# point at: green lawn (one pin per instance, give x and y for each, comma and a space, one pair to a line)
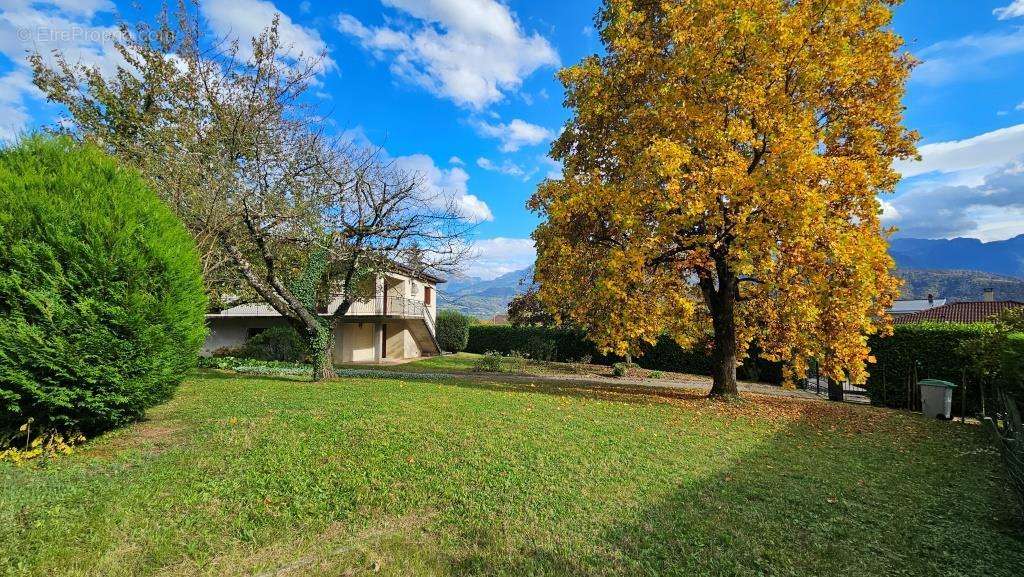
270, 476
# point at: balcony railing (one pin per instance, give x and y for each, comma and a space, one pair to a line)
394, 306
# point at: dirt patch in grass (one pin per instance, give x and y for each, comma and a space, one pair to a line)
148, 436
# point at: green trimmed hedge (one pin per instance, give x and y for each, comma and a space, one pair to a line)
101, 292
935, 350
542, 343
566, 345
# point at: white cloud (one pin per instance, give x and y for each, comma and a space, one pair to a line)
456, 161
1014, 10
995, 206
14, 87
507, 167
988, 150
1019, 106
493, 257
446, 183
246, 19
515, 134
469, 51
890, 214
66, 26
969, 57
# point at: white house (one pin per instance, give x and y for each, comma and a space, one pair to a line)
398, 323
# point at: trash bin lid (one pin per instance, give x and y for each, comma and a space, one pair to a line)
936, 383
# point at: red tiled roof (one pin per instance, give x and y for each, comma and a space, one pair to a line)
965, 312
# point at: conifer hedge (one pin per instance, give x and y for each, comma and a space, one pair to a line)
101, 293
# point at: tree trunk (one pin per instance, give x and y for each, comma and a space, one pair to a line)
322, 345
322, 349
721, 301
723, 354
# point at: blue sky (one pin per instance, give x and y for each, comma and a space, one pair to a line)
463, 91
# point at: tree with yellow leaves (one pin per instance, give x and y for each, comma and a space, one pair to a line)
721, 173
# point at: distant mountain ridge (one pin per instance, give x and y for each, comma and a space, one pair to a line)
1003, 257
484, 298
959, 285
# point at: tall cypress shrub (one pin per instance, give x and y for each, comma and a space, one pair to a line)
452, 330
101, 293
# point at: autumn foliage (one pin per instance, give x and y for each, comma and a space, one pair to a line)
721, 173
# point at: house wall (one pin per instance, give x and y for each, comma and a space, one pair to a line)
353, 341
412, 348
395, 338
357, 342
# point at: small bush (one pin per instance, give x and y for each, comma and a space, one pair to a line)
655, 374
489, 363
625, 369
515, 362
452, 330
101, 294
278, 343
494, 362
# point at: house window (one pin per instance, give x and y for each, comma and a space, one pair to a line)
428, 293
253, 331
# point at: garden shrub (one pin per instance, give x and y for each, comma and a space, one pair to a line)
452, 330
490, 362
495, 362
101, 293
621, 369
277, 343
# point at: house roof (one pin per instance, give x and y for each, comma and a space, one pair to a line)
964, 312
913, 306
417, 274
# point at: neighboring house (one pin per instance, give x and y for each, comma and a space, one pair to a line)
961, 312
398, 323
909, 307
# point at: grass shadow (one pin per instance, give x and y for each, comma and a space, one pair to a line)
854, 494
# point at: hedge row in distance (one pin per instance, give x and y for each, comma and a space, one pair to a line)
567, 345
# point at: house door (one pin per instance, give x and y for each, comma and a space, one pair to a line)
385, 306
384, 341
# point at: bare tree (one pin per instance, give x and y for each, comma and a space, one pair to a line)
281, 211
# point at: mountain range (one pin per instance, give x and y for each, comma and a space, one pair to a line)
484, 298
958, 269
1005, 257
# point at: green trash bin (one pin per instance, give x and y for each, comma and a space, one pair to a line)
936, 398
